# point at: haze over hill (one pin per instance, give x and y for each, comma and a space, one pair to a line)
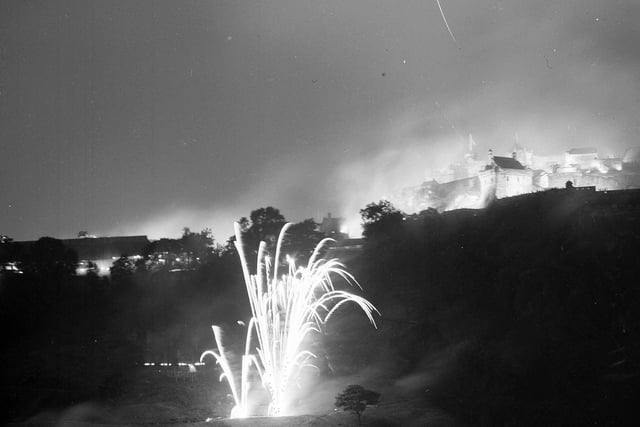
141, 118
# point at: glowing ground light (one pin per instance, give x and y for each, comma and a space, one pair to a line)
285, 310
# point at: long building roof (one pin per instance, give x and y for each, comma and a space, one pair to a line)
103, 247
507, 162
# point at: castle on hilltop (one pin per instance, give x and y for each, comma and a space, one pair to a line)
476, 181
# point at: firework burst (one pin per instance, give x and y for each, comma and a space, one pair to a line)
285, 310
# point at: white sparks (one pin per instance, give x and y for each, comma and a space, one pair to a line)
285, 310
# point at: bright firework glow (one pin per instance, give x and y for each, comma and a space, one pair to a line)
285, 310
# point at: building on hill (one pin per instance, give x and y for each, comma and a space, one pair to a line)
461, 194
102, 251
470, 184
333, 227
597, 180
523, 155
582, 158
98, 253
504, 177
611, 163
631, 160
457, 194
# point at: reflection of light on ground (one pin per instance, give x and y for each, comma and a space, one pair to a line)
10, 267
179, 370
174, 364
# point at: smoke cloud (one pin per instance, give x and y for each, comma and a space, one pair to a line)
159, 116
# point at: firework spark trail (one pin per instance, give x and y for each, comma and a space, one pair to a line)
285, 310
444, 18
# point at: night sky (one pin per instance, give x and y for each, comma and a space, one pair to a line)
142, 117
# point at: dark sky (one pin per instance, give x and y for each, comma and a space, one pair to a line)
141, 117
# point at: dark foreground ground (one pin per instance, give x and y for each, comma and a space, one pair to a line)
353, 352
160, 397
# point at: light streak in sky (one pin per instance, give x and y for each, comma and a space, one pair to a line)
285, 311
444, 18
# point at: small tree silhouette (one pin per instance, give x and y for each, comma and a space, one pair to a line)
355, 398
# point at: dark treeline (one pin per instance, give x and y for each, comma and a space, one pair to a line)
534, 303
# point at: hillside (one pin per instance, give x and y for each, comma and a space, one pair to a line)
523, 313
530, 304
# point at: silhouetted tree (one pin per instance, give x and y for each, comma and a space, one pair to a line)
122, 269
380, 217
10, 251
49, 257
355, 398
163, 245
265, 225
160, 255
198, 247
301, 239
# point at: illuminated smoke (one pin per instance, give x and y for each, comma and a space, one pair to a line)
285, 311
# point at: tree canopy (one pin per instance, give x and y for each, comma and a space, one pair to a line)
50, 257
355, 398
265, 224
380, 217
